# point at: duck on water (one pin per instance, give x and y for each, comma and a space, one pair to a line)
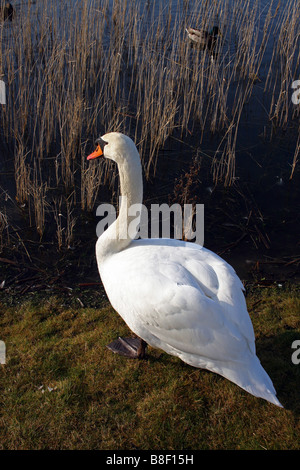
204, 39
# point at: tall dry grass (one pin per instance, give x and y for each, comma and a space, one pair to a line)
76, 69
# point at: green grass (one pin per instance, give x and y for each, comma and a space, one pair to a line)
61, 388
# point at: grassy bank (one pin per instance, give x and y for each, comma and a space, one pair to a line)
62, 389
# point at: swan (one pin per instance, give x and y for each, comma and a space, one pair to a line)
205, 39
174, 295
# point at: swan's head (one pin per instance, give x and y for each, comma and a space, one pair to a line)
117, 147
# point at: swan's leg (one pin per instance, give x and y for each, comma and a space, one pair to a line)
142, 349
135, 348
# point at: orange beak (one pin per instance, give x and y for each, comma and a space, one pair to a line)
98, 152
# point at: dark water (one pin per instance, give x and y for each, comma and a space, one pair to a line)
254, 220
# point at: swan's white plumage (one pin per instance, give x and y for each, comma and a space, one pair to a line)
176, 295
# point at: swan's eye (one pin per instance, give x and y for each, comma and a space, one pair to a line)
101, 142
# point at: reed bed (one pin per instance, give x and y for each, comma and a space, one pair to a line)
76, 69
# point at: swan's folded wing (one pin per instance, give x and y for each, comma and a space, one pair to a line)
181, 295
228, 289
169, 309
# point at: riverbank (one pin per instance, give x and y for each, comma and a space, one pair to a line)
61, 388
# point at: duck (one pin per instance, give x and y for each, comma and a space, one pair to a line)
174, 295
7, 11
204, 39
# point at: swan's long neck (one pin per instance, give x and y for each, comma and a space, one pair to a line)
121, 232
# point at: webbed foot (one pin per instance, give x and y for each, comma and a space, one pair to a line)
134, 348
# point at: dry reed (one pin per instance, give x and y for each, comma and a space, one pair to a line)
77, 69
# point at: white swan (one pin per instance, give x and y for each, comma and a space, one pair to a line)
175, 295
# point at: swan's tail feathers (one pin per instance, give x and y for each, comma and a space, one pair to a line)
253, 378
